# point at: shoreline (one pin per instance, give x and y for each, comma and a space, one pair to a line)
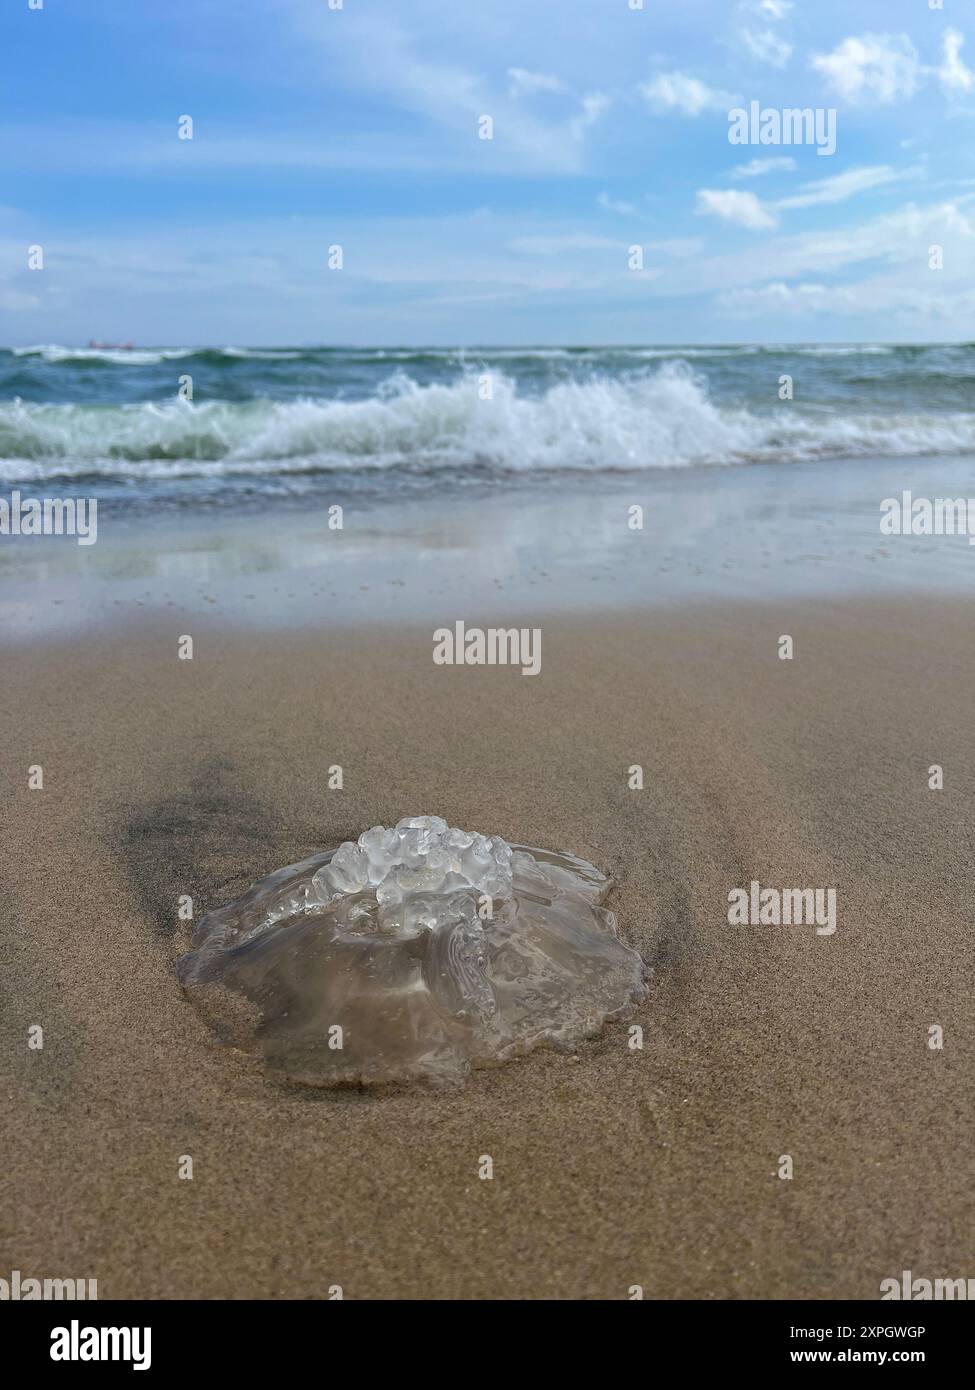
651, 541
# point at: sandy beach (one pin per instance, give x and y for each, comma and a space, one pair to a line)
487, 768
614, 1167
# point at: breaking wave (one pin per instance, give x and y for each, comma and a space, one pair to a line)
659, 418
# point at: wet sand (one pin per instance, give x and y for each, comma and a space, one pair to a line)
613, 1167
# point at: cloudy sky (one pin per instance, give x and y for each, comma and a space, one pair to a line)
359, 127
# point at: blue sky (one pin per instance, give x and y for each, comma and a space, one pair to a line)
358, 126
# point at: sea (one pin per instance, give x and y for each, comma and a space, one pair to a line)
205, 427
329, 486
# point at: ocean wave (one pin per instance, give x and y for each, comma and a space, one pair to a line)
851, 350
256, 354
133, 357
55, 354
661, 418
690, 352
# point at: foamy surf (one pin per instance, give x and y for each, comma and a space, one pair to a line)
132, 357
661, 418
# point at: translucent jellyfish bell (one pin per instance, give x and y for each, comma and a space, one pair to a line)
420, 951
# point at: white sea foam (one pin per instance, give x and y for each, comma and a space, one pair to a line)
260, 354
657, 418
853, 350
147, 357
689, 353
131, 357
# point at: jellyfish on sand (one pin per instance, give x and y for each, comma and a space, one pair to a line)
415, 952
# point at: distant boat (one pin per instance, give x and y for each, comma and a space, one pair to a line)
115, 347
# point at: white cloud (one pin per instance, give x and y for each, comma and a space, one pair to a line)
744, 209
777, 295
763, 43
523, 82
953, 73
909, 300
842, 186
593, 107
675, 91
767, 47
871, 67
735, 205
755, 168
617, 205
417, 71
898, 239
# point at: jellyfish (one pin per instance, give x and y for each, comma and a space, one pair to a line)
417, 952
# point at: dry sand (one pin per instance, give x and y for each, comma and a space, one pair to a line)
612, 1168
